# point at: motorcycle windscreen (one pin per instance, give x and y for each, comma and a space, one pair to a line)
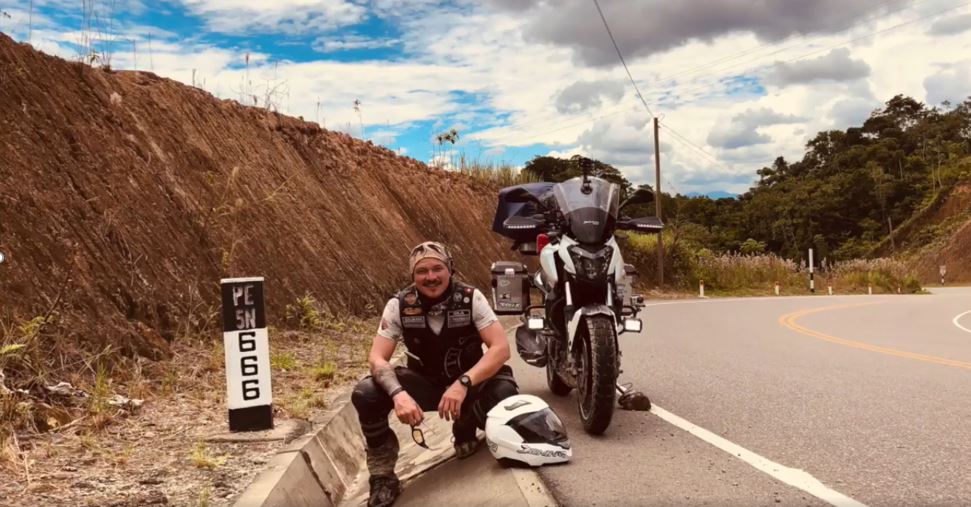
591, 214
541, 427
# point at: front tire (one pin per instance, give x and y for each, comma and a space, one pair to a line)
597, 354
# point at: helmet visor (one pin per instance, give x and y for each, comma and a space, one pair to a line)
541, 427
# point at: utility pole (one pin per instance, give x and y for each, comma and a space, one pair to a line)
657, 204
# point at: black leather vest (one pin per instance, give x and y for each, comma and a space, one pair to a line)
444, 357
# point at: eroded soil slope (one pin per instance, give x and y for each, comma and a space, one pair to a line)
126, 197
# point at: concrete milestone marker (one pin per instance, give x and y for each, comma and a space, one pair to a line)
248, 392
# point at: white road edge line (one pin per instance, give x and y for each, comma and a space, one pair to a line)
796, 478
959, 325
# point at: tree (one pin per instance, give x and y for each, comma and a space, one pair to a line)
752, 247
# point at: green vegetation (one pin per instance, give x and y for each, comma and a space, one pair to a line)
851, 189
283, 361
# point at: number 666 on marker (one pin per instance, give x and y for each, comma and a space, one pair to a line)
249, 396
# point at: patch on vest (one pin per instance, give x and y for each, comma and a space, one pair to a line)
411, 298
459, 318
412, 310
413, 322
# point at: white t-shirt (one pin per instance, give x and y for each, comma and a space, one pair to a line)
390, 326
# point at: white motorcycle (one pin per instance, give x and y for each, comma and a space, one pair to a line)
584, 283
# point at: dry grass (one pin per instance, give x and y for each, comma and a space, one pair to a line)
202, 457
493, 173
757, 274
735, 271
883, 275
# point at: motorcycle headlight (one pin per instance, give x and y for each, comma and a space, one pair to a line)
591, 266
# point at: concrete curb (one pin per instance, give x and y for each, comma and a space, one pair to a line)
314, 470
326, 468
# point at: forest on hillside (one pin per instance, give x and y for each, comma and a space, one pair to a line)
849, 191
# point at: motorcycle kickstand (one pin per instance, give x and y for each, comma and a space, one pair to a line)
631, 399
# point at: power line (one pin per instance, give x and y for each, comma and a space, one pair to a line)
621, 56
693, 145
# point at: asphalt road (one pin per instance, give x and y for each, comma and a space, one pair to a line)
870, 395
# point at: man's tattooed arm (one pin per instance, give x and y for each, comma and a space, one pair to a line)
385, 377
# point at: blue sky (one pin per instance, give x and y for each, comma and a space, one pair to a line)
735, 84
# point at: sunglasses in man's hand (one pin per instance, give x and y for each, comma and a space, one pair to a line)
419, 437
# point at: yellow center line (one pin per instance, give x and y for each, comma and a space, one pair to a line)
789, 321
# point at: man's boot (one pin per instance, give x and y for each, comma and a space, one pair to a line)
384, 484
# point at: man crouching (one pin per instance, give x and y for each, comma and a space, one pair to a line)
443, 323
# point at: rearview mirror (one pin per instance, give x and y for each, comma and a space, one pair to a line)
640, 196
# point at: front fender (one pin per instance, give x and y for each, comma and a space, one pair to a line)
582, 312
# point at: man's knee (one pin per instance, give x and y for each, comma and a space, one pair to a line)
504, 389
367, 396
497, 390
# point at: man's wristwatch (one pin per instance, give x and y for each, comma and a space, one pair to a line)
465, 381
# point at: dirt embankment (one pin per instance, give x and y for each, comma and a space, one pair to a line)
953, 249
126, 197
939, 234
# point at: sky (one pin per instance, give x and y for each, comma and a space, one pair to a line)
734, 83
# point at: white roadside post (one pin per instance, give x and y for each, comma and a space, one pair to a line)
249, 396
943, 272
701, 288
812, 281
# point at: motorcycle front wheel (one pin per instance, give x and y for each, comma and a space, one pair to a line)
596, 383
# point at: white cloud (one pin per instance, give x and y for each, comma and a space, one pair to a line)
952, 83
743, 128
583, 95
276, 16
951, 25
834, 66
351, 42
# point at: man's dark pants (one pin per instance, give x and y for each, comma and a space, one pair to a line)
373, 406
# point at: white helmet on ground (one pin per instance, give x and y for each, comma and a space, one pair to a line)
524, 430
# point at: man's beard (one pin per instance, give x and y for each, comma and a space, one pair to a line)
428, 302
